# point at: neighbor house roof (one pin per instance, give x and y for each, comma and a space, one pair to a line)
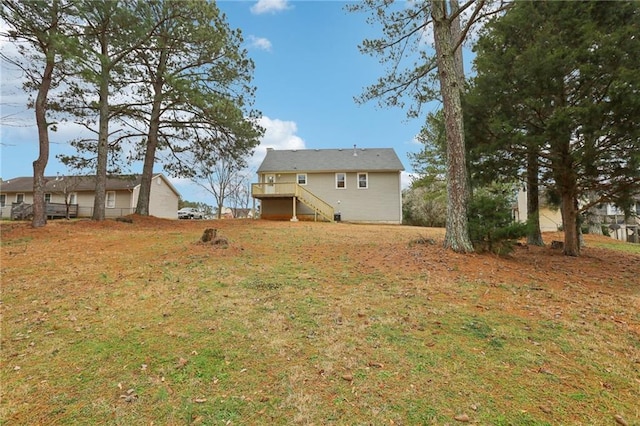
74, 183
331, 160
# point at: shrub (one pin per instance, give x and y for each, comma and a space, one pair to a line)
491, 224
425, 206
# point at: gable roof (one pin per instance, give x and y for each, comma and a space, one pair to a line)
76, 183
331, 160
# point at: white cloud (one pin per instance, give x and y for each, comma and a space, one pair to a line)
279, 134
259, 43
406, 178
269, 6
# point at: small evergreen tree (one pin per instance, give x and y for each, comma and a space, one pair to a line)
491, 224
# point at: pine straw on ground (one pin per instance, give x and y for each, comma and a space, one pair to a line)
311, 323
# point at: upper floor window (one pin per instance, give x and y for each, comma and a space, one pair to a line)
363, 181
341, 180
301, 178
111, 199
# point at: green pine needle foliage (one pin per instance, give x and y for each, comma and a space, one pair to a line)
491, 224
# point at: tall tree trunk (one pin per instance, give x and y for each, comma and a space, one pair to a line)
570, 223
40, 164
144, 196
455, 38
534, 236
457, 232
103, 140
567, 186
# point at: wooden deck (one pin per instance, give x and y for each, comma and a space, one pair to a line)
23, 211
296, 192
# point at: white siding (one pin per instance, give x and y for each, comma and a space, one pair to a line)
163, 201
550, 220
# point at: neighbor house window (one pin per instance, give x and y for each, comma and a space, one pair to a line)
111, 199
19, 198
3, 200
302, 178
47, 198
341, 180
73, 198
363, 180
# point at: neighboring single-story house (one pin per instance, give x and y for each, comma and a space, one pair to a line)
79, 194
355, 185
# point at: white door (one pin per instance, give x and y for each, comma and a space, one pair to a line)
270, 179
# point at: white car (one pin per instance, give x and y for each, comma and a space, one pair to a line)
190, 213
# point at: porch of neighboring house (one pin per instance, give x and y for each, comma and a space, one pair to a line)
623, 229
24, 211
320, 210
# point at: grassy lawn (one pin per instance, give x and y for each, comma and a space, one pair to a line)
311, 323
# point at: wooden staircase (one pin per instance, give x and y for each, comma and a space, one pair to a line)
318, 205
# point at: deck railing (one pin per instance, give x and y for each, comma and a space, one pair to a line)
316, 203
24, 211
276, 189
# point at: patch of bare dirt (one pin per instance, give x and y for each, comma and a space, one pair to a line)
67, 268
383, 247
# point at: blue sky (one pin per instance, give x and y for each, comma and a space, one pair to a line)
307, 71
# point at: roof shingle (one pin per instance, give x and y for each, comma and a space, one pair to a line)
331, 160
74, 183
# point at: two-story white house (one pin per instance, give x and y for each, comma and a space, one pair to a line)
355, 185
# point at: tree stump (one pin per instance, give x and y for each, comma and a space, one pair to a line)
557, 244
209, 235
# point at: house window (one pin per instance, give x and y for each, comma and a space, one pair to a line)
301, 178
3, 200
341, 180
47, 198
111, 199
19, 198
73, 198
363, 181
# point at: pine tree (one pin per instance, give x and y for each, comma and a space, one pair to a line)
560, 82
